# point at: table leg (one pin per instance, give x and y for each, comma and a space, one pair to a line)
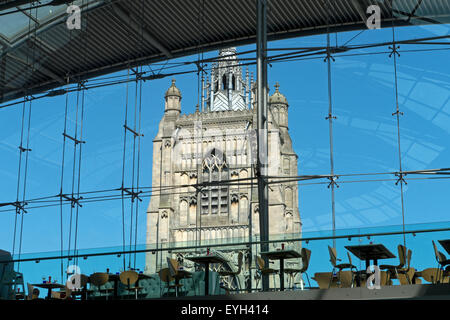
281, 274
367, 263
49, 293
115, 288
206, 279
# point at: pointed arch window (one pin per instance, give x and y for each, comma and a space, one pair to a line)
224, 82
215, 170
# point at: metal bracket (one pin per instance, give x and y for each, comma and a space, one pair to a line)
132, 131
22, 149
134, 195
73, 139
394, 50
333, 181
20, 206
329, 56
73, 201
397, 113
401, 179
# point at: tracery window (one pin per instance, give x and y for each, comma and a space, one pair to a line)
214, 198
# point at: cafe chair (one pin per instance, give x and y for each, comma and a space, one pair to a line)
99, 279
177, 272
340, 267
33, 293
431, 275
306, 257
393, 270
261, 270
323, 280
129, 278
231, 273
225, 273
406, 275
62, 294
292, 272
165, 276
443, 264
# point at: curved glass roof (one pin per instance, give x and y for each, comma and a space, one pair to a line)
18, 21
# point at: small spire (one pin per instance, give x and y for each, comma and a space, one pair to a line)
277, 86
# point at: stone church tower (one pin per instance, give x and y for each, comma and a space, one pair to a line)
202, 169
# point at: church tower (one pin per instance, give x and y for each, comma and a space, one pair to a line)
203, 168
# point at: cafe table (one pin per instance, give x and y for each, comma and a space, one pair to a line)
49, 286
207, 260
368, 252
281, 255
115, 278
445, 244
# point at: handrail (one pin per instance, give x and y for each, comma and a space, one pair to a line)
247, 243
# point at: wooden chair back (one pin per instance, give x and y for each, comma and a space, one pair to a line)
306, 256
173, 266
129, 277
99, 278
323, 280
431, 274
440, 257
345, 278
260, 263
349, 257
401, 255
165, 276
33, 293
333, 255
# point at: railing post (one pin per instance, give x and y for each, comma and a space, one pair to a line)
261, 105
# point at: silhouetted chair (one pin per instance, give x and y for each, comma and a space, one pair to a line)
129, 278
263, 270
165, 276
33, 293
406, 275
99, 279
64, 294
177, 273
392, 269
431, 275
292, 272
340, 267
443, 264
323, 280
229, 273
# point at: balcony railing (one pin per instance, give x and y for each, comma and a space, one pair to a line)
233, 265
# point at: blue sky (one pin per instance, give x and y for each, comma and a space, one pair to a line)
365, 140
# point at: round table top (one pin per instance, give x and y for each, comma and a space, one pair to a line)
49, 285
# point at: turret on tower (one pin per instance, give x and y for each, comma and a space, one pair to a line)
173, 100
279, 106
